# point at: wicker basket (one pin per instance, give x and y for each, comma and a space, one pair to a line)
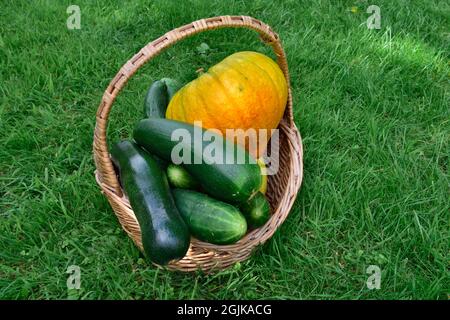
282, 187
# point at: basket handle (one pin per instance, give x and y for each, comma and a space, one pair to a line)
105, 171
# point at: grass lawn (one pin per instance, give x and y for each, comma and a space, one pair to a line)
372, 107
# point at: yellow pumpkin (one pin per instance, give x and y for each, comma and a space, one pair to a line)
245, 90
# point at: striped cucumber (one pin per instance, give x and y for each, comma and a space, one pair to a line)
209, 219
256, 210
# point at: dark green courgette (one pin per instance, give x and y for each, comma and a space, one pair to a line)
209, 219
223, 179
162, 163
172, 86
165, 236
156, 100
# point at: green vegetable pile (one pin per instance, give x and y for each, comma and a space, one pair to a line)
213, 202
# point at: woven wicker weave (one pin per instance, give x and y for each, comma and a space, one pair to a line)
282, 187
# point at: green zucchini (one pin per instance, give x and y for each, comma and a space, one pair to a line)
209, 219
180, 178
162, 163
256, 210
172, 87
223, 179
165, 236
156, 100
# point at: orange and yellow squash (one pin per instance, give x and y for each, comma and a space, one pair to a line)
245, 90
